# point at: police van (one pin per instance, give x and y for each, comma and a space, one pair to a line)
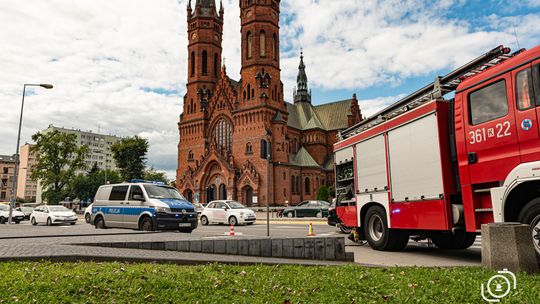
142, 205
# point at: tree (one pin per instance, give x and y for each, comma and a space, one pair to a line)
153, 175
130, 156
323, 194
59, 158
85, 187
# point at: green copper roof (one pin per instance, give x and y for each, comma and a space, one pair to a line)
303, 159
328, 117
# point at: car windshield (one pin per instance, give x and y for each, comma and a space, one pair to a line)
155, 191
27, 209
4, 207
235, 205
58, 209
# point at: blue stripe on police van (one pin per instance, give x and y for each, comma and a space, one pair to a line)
122, 210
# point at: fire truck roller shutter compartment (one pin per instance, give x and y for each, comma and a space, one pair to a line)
372, 178
415, 161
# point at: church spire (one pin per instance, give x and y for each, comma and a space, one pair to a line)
301, 93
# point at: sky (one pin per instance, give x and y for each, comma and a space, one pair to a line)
119, 66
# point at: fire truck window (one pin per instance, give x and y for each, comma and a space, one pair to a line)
488, 103
524, 89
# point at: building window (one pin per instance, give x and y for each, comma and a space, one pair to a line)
192, 63
307, 186
252, 93
249, 92
292, 185
215, 65
249, 45
190, 155
262, 44
274, 47
249, 148
204, 63
223, 134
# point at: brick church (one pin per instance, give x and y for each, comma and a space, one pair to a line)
224, 120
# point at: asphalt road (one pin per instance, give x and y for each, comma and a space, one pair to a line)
416, 253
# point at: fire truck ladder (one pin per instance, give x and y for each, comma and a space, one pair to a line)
437, 89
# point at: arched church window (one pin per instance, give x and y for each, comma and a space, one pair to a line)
249, 92
262, 44
192, 63
249, 45
190, 155
215, 65
307, 186
204, 62
292, 185
223, 134
244, 94
249, 148
252, 93
274, 47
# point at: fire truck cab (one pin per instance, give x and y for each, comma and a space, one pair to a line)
441, 168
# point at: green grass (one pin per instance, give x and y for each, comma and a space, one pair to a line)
83, 282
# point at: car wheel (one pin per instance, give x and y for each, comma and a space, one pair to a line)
146, 224
233, 221
204, 220
16, 222
87, 217
72, 224
319, 214
186, 230
290, 215
2, 220
250, 223
379, 236
49, 221
33, 221
530, 214
99, 223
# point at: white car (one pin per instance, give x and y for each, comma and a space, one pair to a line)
88, 214
227, 212
16, 216
50, 215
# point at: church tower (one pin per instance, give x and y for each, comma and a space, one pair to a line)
301, 93
205, 32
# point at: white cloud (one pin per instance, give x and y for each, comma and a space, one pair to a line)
108, 58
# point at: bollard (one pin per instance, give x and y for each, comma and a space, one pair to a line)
508, 245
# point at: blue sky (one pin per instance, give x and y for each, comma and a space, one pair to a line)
121, 65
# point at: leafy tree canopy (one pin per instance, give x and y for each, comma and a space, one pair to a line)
130, 156
153, 175
58, 160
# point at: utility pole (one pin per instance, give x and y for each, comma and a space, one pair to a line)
266, 153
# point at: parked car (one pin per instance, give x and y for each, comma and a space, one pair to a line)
308, 209
26, 210
88, 214
16, 216
227, 212
198, 207
334, 220
50, 215
143, 205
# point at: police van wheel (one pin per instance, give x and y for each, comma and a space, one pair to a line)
99, 223
186, 230
146, 224
87, 217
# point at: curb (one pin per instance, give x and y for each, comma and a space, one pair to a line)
72, 235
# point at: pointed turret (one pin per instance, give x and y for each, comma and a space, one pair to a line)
301, 93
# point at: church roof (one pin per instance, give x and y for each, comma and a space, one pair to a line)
328, 117
303, 159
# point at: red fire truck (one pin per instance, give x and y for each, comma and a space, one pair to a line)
439, 169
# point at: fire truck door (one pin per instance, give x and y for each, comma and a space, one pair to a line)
490, 132
526, 112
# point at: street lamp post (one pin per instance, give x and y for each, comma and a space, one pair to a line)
15, 174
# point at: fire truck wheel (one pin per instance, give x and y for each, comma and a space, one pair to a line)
379, 236
531, 215
459, 240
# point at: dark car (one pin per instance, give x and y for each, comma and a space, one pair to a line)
26, 210
308, 209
